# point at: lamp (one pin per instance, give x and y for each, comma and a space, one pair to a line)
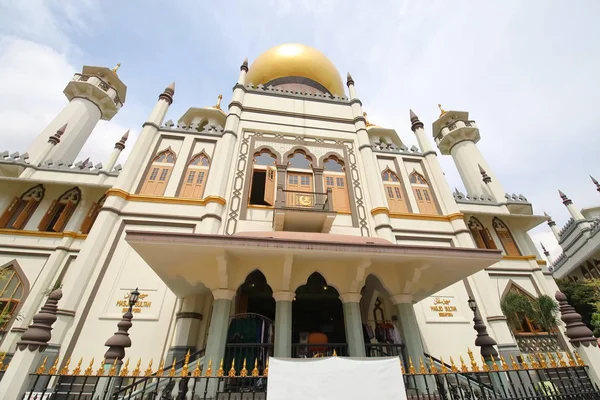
133, 298
472, 304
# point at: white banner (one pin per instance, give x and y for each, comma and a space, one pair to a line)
335, 378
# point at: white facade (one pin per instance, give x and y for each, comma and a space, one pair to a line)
146, 232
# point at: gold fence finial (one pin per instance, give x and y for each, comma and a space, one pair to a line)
580, 362
100, 370
561, 360
432, 366
524, 364
422, 369
495, 364
552, 361
463, 367
136, 371
220, 371
402, 367
42, 368
474, 366
542, 358
198, 370
452, 365
444, 368
266, 371
113, 370
571, 361
186, 364
125, 369
484, 366
504, 364
54, 367
148, 370
88, 371
77, 369
411, 367
231, 372
209, 369
255, 369
334, 353
65, 369
161, 367
172, 370
515, 365
533, 362
244, 371
2, 357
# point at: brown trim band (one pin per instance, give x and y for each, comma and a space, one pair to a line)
425, 217
190, 315
150, 124
384, 226
68, 313
18, 329
167, 200
58, 235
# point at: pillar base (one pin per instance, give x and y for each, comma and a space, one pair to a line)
178, 353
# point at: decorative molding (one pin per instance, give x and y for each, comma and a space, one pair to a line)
190, 315
167, 200
68, 313
541, 262
520, 258
496, 318
56, 235
424, 217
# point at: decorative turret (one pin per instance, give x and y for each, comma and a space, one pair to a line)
199, 118
575, 213
595, 183
546, 253
94, 94
457, 135
553, 226
350, 84
114, 156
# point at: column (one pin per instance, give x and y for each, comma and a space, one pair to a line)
217, 331
283, 323
187, 325
353, 323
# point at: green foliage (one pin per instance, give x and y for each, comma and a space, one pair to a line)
583, 295
595, 322
542, 310
545, 312
513, 305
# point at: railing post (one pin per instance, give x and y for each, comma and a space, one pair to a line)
329, 199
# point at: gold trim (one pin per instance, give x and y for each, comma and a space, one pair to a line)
165, 200
259, 207
57, 235
519, 258
424, 217
541, 262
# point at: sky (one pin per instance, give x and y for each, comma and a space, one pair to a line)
526, 71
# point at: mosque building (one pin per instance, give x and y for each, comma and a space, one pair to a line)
286, 224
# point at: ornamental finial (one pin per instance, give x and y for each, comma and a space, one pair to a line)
442, 111
116, 68
218, 105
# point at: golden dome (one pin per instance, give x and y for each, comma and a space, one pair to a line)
292, 59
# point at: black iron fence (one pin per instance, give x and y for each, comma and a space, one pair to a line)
541, 377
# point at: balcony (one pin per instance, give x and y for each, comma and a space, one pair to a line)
299, 211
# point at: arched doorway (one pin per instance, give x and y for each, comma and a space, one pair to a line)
251, 331
318, 320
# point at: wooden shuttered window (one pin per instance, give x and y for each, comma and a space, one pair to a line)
394, 192
10, 212
506, 238
270, 180
48, 216
423, 194
481, 235
90, 217
339, 191
159, 173
25, 214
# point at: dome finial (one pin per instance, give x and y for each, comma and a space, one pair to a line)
116, 68
349, 80
367, 123
442, 111
218, 105
244, 66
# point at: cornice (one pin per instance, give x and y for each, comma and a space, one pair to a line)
54, 235
424, 217
165, 200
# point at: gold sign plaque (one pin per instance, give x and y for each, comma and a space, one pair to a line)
304, 200
443, 307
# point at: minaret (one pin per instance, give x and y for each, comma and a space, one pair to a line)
547, 254
456, 135
575, 213
114, 156
596, 183
553, 226
43, 155
94, 94
486, 179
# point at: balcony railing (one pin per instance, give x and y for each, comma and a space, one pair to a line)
539, 343
316, 201
299, 211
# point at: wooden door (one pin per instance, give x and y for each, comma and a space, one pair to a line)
341, 200
395, 199
150, 184
193, 186
270, 180
163, 178
424, 200
507, 242
298, 183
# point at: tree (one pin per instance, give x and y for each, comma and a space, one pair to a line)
543, 310
583, 295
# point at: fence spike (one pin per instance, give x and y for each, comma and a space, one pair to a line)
514, 363
463, 367
244, 371
89, 369
161, 367
54, 367
484, 366
125, 369
220, 371
255, 370
444, 368
533, 362
172, 371
100, 370
266, 371
186, 364
136, 371
571, 361
432, 366
148, 370
542, 360
2, 357
402, 367
495, 364
65, 369
42, 368
580, 362
411, 367
422, 369
552, 361
524, 364
504, 364
561, 360
77, 369
113, 370
197, 371
334, 353
452, 365
231, 373
209, 369
474, 366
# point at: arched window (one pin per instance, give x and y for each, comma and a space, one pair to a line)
60, 211
481, 235
394, 192
159, 173
22, 208
524, 325
264, 178
299, 178
423, 194
195, 177
92, 214
11, 294
506, 238
335, 178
